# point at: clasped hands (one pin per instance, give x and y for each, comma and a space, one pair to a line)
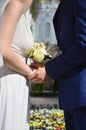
39, 74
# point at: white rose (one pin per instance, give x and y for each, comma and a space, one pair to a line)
38, 55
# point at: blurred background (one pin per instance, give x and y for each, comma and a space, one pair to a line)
40, 16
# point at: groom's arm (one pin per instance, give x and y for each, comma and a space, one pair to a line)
76, 54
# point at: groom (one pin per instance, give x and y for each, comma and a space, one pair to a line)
70, 67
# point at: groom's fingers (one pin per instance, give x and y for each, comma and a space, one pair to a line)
39, 75
35, 80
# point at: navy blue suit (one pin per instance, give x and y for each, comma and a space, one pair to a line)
70, 67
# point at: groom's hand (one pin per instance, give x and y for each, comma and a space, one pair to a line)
41, 75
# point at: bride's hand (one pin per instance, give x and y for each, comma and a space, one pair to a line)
31, 74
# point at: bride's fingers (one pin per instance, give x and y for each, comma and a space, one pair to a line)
32, 75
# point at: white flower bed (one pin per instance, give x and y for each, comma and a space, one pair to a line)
45, 119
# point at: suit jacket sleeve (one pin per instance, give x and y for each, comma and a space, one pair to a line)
76, 54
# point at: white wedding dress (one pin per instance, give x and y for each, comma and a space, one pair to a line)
14, 88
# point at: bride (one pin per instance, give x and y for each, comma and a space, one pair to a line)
15, 41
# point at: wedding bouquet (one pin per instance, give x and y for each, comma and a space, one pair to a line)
42, 53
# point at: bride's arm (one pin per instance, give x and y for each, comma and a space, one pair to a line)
11, 16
